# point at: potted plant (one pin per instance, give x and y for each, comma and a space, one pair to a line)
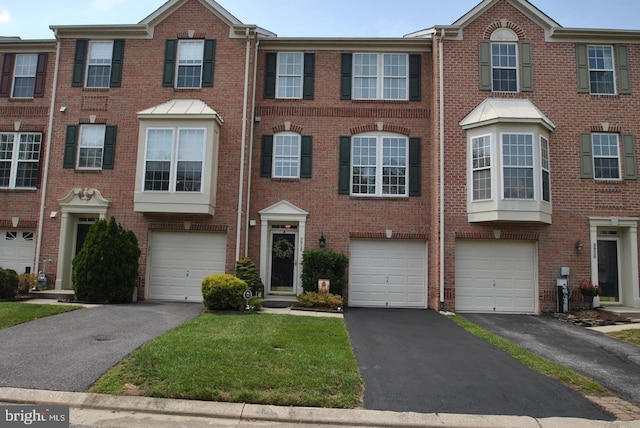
589, 291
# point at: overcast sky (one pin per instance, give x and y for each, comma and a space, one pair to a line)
30, 19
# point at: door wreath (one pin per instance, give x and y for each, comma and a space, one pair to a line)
282, 249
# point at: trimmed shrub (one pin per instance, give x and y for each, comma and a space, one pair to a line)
312, 299
8, 283
246, 270
26, 282
223, 292
106, 269
317, 264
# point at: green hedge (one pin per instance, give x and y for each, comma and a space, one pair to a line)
8, 283
317, 264
223, 292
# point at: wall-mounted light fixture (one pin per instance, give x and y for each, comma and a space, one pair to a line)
579, 246
63, 109
322, 241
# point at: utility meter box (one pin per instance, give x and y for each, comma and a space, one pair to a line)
563, 294
564, 271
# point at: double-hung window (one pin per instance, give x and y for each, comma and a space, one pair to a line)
99, 64
379, 166
380, 76
19, 159
190, 55
601, 75
91, 146
546, 173
506, 63
504, 67
517, 166
606, 156
174, 159
24, 76
290, 67
481, 164
286, 155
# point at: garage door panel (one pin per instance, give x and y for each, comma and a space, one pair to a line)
17, 249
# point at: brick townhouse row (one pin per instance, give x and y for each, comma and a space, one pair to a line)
459, 167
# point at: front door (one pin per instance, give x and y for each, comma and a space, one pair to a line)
84, 224
608, 270
283, 262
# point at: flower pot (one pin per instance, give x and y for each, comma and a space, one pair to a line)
588, 301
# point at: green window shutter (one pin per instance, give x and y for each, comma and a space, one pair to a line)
70, 147
271, 62
586, 156
116, 63
526, 67
345, 76
6, 80
624, 78
415, 71
308, 86
344, 172
629, 149
306, 150
78, 63
414, 167
41, 74
170, 52
266, 160
582, 62
485, 66
109, 153
208, 63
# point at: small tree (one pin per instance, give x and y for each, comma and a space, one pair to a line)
106, 269
246, 270
317, 264
8, 283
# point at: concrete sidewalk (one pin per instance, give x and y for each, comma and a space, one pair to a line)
101, 411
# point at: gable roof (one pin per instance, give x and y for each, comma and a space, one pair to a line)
528, 9
171, 5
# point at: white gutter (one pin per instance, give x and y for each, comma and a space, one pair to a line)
442, 236
45, 177
244, 138
251, 136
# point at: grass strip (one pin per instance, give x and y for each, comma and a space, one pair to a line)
12, 313
630, 336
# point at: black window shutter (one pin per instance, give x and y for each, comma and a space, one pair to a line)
208, 63
344, 172
271, 62
170, 52
308, 86
624, 79
415, 72
484, 52
586, 156
7, 75
41, 74
266, 157
78, 63
345, 77
108, 156
70, 147
582, 63
306, 149
116, 63
414, 167
629, 150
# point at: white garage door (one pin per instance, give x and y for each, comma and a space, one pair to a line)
495, 276
387, 273
17, 249
179, 262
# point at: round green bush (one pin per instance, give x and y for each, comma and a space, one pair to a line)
8, 283
223, 292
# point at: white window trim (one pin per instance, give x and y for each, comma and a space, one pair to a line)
89, 64
618, 157
612, 70
379, 165
380, 76
178, 64
16, 75
516, 68
279, 75
544, 169
490, 168
80, 147
275, 139
15, 160
537, 196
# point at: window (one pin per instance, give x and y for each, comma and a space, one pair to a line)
91, 146
99, 64
289, 75
286, 157
546, 173
19, 159
379, 166
383, 76
190, 63
506, 63
504, 67
517, 163
481, 159
174, 166
606, 157
25, 76
601, 76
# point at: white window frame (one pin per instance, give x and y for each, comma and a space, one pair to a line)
284, 159
519, 165
607, 155
91, 140
382, 79
96, 60
174, 157
495, 67
545, 168
22, 152
379, 141
482, 166
601, 68
184, 60
25, 71
290, 75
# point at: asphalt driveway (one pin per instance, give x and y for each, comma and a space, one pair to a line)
70, 351
421, 361
612, 363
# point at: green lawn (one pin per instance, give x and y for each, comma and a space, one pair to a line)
12, 313
254, 358
632, 336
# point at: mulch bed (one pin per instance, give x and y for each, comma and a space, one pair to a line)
590, 318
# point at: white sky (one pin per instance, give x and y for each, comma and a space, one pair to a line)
30, 19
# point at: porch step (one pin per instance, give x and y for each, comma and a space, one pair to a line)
270, 302
53, 294
623, 311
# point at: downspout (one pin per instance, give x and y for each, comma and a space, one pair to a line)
251, 136
441, 89
45, 176
243, 138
